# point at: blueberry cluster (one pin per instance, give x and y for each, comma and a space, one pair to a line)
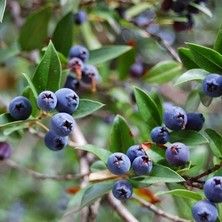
206, 210
119, 164
80, 72
184, 8
212, 85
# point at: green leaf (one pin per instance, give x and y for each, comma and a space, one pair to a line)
206, 58
94, 192
87, 107
154, 94
48, 73
101, 153
137, 9
218, 41
162, 174
163, 72
34, 32
193, 101
147, 108
182, 193
192, 75
32, 87
2, 9
107, 53
188, 137
155, 153
121, 137
187, 58
202, 8
215, 142
62, 36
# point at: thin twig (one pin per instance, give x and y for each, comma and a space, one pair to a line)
12, 164
123, 212
158, 211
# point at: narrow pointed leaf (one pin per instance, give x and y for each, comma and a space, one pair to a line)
2, 9
34, 32
121, 137
202, 8
48, 73
218, 41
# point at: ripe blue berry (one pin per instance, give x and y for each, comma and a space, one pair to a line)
122, 190
62, 124
177, 154
212, 85
80, 52
118, 163
135, 151
213, 189
72, 82
142, 165
5, 150
80, 17
204, 211
160, 135
55, 142
195, 121
67, 100
136, 70
90, 73
20, 108
175, 118
47, 100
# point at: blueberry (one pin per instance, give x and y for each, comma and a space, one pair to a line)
135, 151
136, 70
47, 100
160, 135
212, 85
62, 124
80, 17
72, 82
204, 211
177, 154
67, 100
55, 142
118, 163
195, 121
75, 65
142, 165
5, 150
213, 189
122, 190
175, 118
80, 52
20, 108
90, 73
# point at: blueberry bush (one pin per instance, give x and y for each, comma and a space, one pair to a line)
110, 110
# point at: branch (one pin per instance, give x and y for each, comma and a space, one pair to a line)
121, 209
158, 211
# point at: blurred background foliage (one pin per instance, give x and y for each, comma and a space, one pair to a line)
26, 199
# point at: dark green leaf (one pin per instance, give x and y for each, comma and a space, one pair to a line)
33, 34
188, 137
147, 108
87, 107
191, 75
107, 53
158, 100
162, 174
2, 9
101, 153
95, 191
48, 73
121, 137
62, 36
187, 58
206, 58
218, 41
163, 72
215, 142
124, 63
193, 101
182, 193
